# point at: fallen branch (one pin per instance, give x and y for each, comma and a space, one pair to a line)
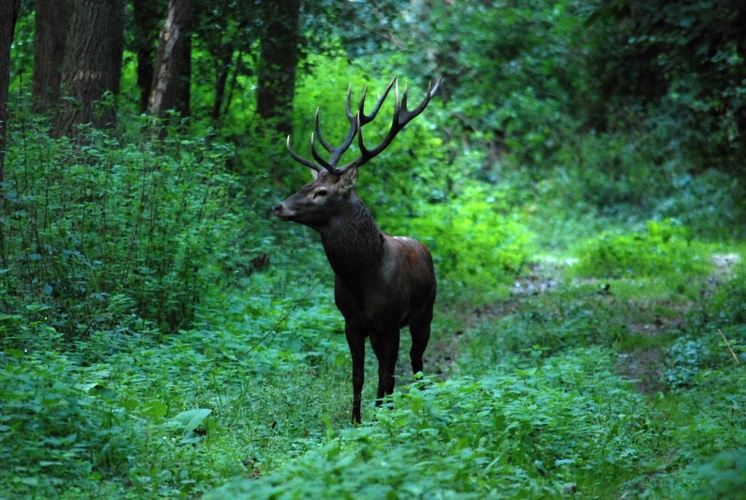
727, 344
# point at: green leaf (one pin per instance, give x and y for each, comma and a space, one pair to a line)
100, 390
15, 353
191, 419
155, 410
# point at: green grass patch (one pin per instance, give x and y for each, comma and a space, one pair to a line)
664, 250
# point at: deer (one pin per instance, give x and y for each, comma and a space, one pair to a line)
382, 283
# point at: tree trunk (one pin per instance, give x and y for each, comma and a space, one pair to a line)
49, 50
147, 14
10, 9
167, 89
278, 62
92, 65
221, 80
184, 79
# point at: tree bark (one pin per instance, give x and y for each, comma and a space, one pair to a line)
147, 15
278, 62
92, 65
10, 9
167, 91
51, 19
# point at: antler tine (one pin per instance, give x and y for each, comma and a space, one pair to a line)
302, 160
339, 151
324, 164
409, 115
364, 119
317, 129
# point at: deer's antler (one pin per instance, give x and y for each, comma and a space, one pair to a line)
401, 117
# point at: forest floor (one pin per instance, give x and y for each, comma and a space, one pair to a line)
528, 391
637, 356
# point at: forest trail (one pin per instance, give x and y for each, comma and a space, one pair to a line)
642, 365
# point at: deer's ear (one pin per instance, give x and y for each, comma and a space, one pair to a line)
315, 174
348, 179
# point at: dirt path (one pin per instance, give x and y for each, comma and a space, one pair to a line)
643, 366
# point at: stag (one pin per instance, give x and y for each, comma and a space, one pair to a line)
382, 283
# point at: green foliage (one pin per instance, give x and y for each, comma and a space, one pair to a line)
666, 249
687, 357
476, 242
513, 72
138, 415
632, 386
685, 59
722, 477
553, 324
527, 434
728, 306
101, 233
710, 203
55, 425
611, 173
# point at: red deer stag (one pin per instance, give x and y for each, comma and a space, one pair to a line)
382, 283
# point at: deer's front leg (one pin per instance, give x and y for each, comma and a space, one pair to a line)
356, 342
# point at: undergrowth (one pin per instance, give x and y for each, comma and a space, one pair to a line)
664, 249
141, 415
539, 432
102, 233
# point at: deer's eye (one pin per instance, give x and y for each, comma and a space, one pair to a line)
320, 192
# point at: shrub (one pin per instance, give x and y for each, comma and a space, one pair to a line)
665, 249
688, 357
100, 233
476, 242
728, 305
53, 426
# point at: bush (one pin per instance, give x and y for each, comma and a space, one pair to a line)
665, 249
710, 203
52, 425
101, 232
475, 241
728, 305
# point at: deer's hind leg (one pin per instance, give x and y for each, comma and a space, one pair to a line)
419, 328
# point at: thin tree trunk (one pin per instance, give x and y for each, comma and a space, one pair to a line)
184, 78
221, 80
238, 67
92, 65
10, 9
147, 14
172, 48
278, 62
51, 19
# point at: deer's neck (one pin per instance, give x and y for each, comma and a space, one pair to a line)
353, 242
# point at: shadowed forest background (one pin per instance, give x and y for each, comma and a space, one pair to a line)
579, 179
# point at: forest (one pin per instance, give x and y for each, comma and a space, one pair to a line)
578, 175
